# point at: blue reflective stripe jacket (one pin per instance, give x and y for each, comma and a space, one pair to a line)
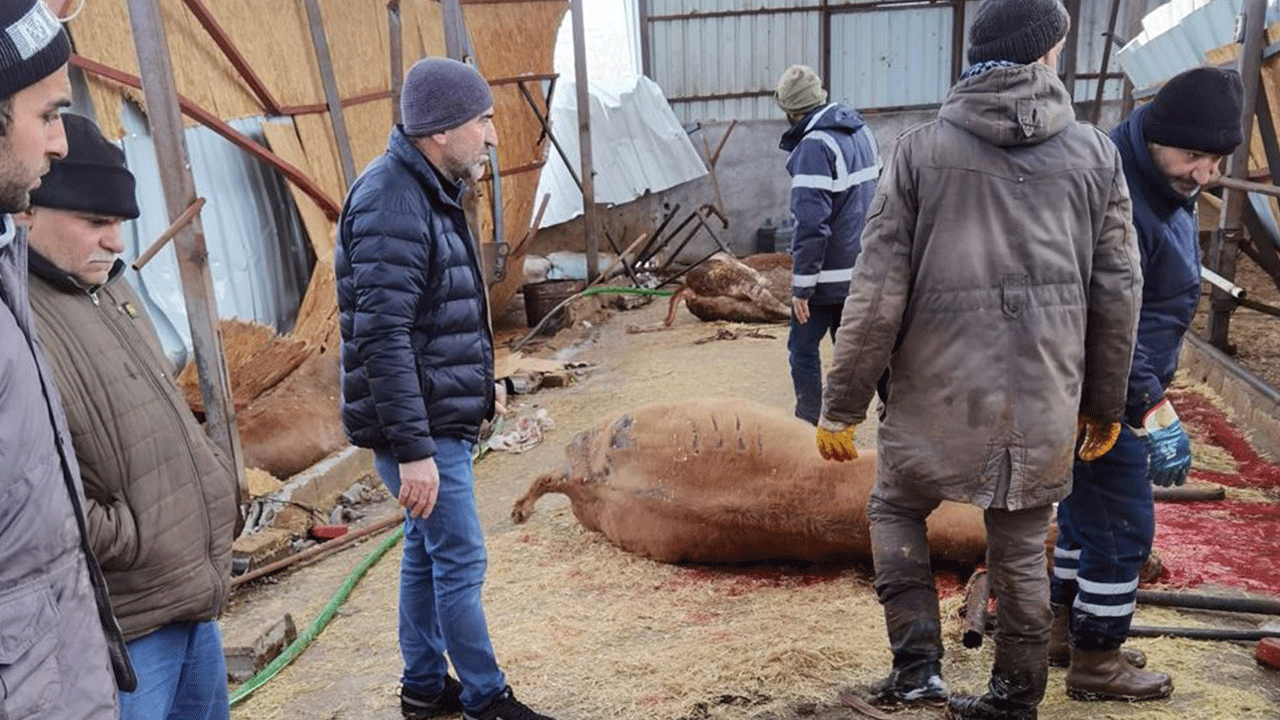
1168, 237
834, 166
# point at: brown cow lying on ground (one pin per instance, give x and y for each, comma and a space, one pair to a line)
729, 480
756, 288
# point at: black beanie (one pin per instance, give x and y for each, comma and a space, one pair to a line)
91, 178
32, 44
1199, 109
440, 94
1019, 31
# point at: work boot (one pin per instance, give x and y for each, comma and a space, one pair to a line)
417, 706
1060, 641
1107, 675
1010, 696
921, 684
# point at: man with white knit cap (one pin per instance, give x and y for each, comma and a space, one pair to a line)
417, 378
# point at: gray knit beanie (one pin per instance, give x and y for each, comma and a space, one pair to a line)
32, 44
440, 94
1019, 31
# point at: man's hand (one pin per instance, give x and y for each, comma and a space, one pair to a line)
1168, 447
499, 399
1095, 438
800, 308
419, 485
835, 441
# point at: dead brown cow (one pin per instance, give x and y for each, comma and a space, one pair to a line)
756, 288
728, 480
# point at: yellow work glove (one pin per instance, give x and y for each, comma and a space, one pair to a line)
835, 441
1096, 438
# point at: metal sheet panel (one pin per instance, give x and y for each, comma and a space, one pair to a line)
258, 257
872, 67
729, 55
1177, 34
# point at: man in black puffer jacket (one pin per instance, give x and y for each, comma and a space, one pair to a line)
417, 378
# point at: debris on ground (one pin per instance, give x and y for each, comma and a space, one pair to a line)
734, 334
523, 432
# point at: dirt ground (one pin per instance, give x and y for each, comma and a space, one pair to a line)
1255, 335
587, 632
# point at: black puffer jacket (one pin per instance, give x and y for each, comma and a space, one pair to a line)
417, 351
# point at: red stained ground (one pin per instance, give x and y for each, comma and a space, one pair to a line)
1231, 543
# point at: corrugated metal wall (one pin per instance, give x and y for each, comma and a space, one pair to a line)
729, 54
895, 57
724, 66
258, 257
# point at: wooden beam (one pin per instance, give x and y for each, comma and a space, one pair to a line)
324, 60
214, 123
165, 120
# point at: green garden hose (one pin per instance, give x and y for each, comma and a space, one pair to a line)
318, 625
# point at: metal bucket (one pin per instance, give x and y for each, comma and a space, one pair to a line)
541, 298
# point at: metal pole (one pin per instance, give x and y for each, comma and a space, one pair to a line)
1137, 8
193, 257
395, 37
455, 30
1225, 247
1071, 49
332, 98
646, 39
1106, 61
584, 143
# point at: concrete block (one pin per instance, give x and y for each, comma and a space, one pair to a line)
253, 648
317, 489
263, 547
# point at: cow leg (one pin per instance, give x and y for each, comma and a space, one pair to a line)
552, 482
681, 294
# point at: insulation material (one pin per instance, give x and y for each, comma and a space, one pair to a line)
283, 139
275, 40
257, 359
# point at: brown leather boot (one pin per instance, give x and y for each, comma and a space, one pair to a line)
1107, 675
1060, 642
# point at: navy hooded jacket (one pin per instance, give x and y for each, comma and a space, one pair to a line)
834, 165
1168, 237
417, 352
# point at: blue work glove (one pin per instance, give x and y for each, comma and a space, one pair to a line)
1168, 447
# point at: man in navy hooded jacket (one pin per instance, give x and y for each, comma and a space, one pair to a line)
834, 165
1170, 149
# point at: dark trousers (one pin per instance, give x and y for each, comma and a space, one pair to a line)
1105, 529
806, 363
1015, 562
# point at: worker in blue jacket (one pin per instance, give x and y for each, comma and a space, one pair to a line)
834, 166
1171, 149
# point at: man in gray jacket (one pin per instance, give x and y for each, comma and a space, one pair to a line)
999, 283
60, 641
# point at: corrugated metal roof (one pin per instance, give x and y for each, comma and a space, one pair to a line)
258, 259
1176, 36
637, 146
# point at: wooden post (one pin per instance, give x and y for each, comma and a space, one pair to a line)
1071, 49
325, 62
193, 258
395, 38
590, 221
1225, 247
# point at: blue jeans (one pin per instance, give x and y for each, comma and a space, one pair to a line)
441, 573
806, 363
1105, 529
182, 674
